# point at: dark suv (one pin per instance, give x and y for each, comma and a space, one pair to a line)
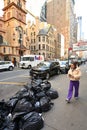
45, 69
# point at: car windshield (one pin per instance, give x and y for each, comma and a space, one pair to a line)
44, 64
27, 58
62, 62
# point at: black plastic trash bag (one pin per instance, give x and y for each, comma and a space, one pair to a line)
40, 95
28, 95
53, 94
10, 126
16, 118
37, 107
45, 104
20, 93
36, 89
28, 86
12, 103
23, 106
2, 120
31, 121
7, 123
46, 86
4, 108
36, 82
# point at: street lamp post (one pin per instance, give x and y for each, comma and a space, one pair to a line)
69, 50
20, 31
20, 42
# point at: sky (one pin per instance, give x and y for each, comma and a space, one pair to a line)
80, 9
35, 6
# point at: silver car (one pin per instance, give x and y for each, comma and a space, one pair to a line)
6, 65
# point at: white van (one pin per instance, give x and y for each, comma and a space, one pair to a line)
28, 61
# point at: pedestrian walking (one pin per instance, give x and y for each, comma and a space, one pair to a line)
74, 75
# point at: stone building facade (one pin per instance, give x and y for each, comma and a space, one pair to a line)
14, 42
42, 39
18, 38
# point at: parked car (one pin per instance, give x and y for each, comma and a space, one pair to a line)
63, 66
6, 65
45, 69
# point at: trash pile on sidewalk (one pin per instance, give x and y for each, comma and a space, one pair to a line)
23, 111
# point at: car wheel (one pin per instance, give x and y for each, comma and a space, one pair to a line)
10, 68
47, 76
29, 67
58, 72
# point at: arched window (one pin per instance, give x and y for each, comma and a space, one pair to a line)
1, 39
19, 3
20, 34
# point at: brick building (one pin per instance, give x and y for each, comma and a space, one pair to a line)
60, 13
13, 37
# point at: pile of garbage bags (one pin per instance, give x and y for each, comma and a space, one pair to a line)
23, 111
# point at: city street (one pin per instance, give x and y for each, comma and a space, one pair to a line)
12, 81
62, 116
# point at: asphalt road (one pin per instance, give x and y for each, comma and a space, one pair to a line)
12, 81
62, 116
11, 76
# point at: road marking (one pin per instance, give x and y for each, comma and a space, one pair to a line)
13, 83
26, 76
14, 77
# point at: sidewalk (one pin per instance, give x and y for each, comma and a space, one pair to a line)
65, 116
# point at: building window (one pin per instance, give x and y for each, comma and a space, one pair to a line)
43, 38
46, 39
33, 29
34, 34
0, 25
31, 48
31, 40
44, 54
4, 50
12, 50
20, 16
9, 49
43, 46
31, 33
34, 47
39, 47
8, 15
8, 2
34, 41
19, 4
39, 39
1, 39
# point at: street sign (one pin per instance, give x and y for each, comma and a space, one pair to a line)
80, 46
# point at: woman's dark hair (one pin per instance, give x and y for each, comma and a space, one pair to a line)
75, 64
